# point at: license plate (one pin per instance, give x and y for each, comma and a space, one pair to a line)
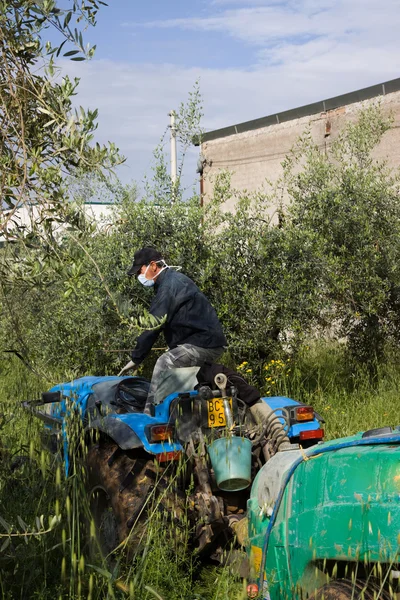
216, 413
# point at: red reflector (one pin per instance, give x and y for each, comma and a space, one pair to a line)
160, 433
305, 413
168, 456
252, 590
313, 434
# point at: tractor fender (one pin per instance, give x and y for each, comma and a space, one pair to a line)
118, 431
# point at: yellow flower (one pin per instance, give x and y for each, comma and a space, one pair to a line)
272, 382
248, 370
268, 378
244, 363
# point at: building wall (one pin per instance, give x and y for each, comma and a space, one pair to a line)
255, 156
99, 212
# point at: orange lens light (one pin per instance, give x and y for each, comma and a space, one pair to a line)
252, 590
161, 433
313, 434
305, 413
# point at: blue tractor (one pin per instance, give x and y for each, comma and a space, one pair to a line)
198, 451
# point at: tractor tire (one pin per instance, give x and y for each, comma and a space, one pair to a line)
344, 589
121, 492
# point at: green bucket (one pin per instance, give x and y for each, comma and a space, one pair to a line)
231, 460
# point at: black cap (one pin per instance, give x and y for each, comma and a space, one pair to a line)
144, 256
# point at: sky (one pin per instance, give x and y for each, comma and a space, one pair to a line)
252, 57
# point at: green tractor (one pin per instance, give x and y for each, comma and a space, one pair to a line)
324, 523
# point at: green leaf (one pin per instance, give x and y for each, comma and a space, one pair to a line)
5, 525
5, 544
22, 523
53, 521
44, 110
67, 18
79, 58
71, 53
103, 572
60, 47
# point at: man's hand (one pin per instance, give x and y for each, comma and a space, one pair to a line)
130, 365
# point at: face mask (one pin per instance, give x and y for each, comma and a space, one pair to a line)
144, 281
149, 282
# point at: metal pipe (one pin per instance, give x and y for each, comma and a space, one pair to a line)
228, 412
173, 150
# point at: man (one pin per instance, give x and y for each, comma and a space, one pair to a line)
192, 330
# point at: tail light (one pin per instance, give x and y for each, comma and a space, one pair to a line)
303, 413
313, 434
168, 456
160, 433
252, 590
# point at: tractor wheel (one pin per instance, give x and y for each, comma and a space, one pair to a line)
344, 589
121, 492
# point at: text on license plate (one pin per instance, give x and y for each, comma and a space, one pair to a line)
216, 413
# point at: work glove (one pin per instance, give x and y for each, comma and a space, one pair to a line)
130, 365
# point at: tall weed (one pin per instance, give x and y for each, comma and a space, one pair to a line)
58, 563
42, 561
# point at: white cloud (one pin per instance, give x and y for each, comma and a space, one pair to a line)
307, 50
272, 22
134, 100
247, 2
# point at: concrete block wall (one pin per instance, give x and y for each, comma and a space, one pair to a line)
254, 154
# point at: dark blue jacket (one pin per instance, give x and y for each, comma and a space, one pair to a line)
190, 317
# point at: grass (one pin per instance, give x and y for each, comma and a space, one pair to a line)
348, 397
46, 558
39, 561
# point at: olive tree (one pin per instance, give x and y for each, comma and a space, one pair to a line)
349, 202
42, 138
